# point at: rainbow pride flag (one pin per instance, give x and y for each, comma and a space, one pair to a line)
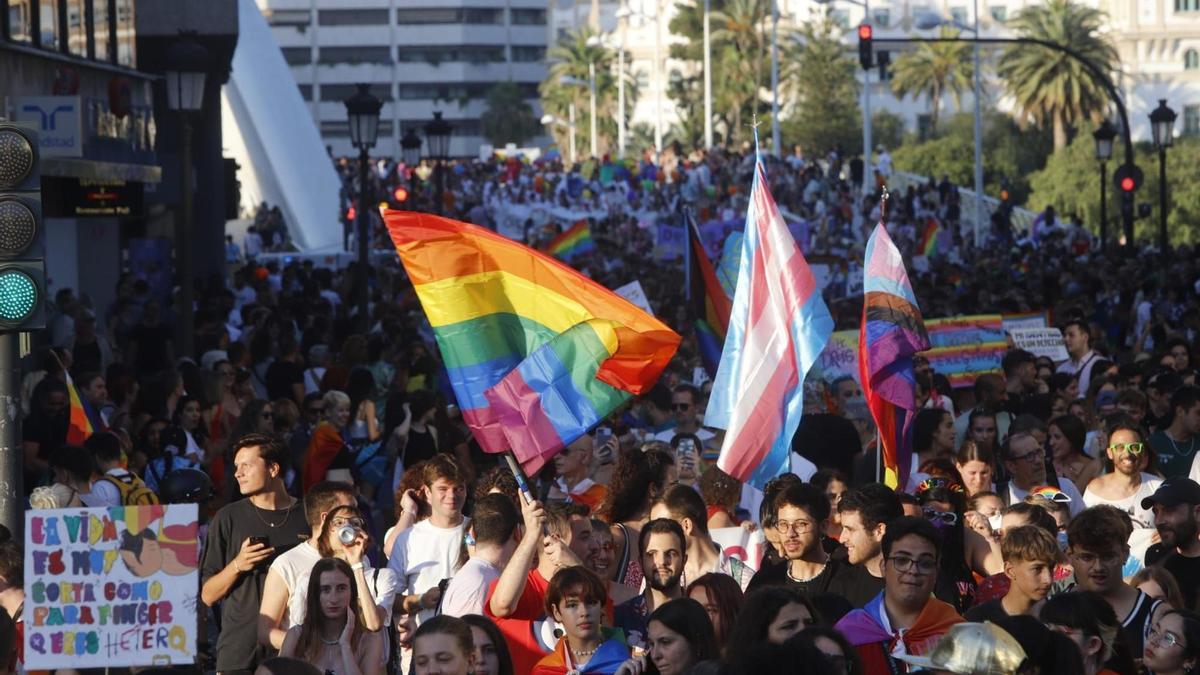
929, 236
892, 331
536, 353
576, 240
83, 420
706, 299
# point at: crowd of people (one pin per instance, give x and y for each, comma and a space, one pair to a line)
353, 526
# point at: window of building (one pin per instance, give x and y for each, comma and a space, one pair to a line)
352, 55
51, 32
451, 15
101, 31
1187, 5
881, 18
296, 18
126, 35
456, 54
20, 20
1191, 60
297, 56
1191, 120
305, 91
529, 17
526, 54
1000, 14
959, 14
352, 17
444, 91
341, 92
338, 129
77, 35
475, 15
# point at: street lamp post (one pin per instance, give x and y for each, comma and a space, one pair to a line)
1104, 136
437, 134
362, 112
1162, 119
185, 78
410, 153
708, 128
868, 174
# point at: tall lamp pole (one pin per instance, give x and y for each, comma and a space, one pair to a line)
437, 134
410, 152
708, 128
362, 110
1104, 136
187, 64
1162, 119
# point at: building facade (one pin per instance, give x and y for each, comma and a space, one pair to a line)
420, 56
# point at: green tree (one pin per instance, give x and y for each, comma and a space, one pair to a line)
508, 117
887, 129
738, 29
935, 69
571, 58
1050, 87
820, 76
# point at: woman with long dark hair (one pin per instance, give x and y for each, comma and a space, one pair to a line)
491, 651
722, 598
638, 479
1067, 437
943, 503
332, 636
1092, 625
1173, 644
770, 614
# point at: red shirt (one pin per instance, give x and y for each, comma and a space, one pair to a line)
523, 629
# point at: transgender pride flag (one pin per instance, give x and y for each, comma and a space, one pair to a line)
778, 327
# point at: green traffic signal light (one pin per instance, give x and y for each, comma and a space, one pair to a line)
19, 296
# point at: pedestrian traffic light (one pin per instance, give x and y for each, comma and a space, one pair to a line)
864, 46
884, 61
22, 238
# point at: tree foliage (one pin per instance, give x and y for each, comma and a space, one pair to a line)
508, 117
887, 129
1050, 87
935, 69
571, 58
819, 74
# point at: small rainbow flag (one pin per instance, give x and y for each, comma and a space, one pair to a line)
83, 420
577, 239
536, 353
929, 236
708, 302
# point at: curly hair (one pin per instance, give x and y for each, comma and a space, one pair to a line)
634, 476
720, 489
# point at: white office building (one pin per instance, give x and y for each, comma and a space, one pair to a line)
419, 56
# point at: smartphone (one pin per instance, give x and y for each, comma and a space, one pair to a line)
603, 452
259, 539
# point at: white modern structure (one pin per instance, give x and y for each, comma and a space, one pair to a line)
418, 55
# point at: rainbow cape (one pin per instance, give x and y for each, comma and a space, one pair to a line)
706, 299
892, 331
84, 420
576, 240
929, 236
535, 352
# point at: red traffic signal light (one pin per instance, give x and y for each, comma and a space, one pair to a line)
1128, 184
351, 214
400, 194
1127, 178
866, 57
864, 32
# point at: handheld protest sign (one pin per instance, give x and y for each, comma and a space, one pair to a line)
115, 585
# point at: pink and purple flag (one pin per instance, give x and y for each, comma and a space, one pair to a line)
777, 328
892, 331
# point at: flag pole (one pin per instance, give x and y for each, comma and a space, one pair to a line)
515, 468
883, 197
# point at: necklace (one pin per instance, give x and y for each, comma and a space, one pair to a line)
270, 524
580, 655
1191, 446
330, 642
804, 581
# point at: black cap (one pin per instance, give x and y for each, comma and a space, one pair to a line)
1174, 491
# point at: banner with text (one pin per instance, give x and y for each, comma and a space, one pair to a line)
1041, 342
736, 542
839, 358
111, 586
965, 347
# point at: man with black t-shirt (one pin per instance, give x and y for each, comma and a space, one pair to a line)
285, 375
864, 513
1176, 506
243, 539
800, 511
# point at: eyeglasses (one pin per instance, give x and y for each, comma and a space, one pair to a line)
1164, 639
906, 564
1131, 448
1051, 493
681, 406
1031, 457
267, 414
945, 517
1089, 559
797, 526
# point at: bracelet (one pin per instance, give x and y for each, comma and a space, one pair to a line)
357, 566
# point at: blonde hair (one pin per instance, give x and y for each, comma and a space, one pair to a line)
333, 400
1031, 543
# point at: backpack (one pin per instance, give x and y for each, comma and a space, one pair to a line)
133, 491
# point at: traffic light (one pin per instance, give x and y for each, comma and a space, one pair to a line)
400, 194
864, 46
22, 237
1127, 178
884, 61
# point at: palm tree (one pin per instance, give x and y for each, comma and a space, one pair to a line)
738, 32
1048, 85
508, 117
571, 58
935, 68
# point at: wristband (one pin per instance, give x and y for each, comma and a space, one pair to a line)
357, 566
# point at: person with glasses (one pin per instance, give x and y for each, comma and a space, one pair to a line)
573, 482
1173, 644
1126, 484
1030, 556
1025, 460
282, 603
905, 618
681, 504
1097, 549
685, 405
800, 513
964, 552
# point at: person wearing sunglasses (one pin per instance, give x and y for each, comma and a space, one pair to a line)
1173, 644
964, 551
905, 618
686, 407
1127, 483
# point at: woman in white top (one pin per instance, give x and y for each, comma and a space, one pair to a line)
331, 636
1127, 484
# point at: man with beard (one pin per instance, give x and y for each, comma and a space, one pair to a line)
865, 513
663, 547
685, 506
800, 511
1097, 550
1176, 506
